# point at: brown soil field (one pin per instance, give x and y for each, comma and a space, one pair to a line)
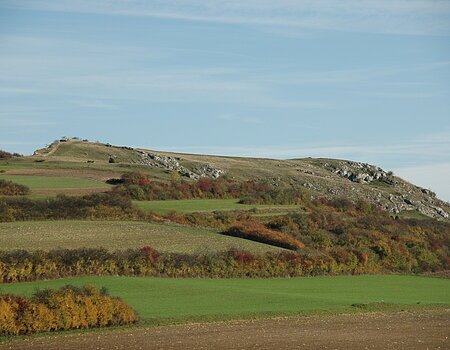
402, 330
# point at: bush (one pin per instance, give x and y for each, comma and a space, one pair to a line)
257, 232
67, 308
5, 155
9, 188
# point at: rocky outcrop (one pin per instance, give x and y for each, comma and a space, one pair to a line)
173, 164
399, 203
208, 170
359, 172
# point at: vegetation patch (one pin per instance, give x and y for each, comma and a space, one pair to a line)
8, 155
140, 187
206, 205
255, 231
20, 265
9, 188
67, 308
99, 205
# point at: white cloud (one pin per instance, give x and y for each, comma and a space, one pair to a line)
376, 16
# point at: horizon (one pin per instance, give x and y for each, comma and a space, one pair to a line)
365, 81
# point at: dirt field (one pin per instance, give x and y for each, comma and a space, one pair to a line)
403, 330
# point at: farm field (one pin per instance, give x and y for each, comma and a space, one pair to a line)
46, 235
53, 182
425, 329
207, 205
164, 300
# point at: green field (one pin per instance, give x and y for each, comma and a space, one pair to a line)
176, 300
32, 235
205, 205
53, 182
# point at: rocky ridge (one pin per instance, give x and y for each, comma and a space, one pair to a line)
318, 177
172, 163
404, 196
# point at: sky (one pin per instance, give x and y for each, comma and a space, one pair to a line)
361, 80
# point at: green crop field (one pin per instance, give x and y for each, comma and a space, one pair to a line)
176, 300
205, 205
53, 182
32, 235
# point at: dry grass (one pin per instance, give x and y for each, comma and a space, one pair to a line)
46, 235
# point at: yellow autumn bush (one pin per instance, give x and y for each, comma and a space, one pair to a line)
67, 308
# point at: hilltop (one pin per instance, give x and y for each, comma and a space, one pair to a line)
318, 177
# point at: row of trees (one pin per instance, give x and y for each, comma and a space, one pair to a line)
108, 205
8, 155
17, 266
139, 187
67, 308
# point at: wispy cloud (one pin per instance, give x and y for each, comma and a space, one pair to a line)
97, 104
422, 17
24, 122
433, 147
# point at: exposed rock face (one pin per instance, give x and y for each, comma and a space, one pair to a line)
208, 170
173, 164
397, 197
359, 172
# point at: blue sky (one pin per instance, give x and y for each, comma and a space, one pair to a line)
362, 80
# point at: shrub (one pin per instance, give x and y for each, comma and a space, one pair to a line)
5, 155
9, 188
135, 178
257, 232
67, 308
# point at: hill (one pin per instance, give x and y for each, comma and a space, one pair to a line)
319, 177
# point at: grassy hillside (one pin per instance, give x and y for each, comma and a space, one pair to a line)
324, 177
175, 300
47, 235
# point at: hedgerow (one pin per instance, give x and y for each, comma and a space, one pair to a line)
8, 155
19, 266
67, 308
108, 205
139, 187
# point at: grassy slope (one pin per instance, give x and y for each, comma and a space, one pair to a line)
50, 182
118, 235
194, 205
157, 299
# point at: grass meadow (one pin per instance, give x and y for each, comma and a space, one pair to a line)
53, 182
206, 205
164, 300
46, 235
